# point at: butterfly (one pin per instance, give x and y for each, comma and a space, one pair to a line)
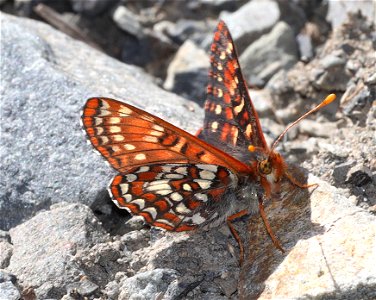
182, 182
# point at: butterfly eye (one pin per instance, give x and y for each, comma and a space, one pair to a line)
265, 167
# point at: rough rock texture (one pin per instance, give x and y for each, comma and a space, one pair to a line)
326, 258
44, 85
272, 52
250, 21
45, 245
63, 251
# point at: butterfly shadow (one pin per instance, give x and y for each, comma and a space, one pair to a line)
291, 222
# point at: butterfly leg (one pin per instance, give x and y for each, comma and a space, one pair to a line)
235, 234
276, 243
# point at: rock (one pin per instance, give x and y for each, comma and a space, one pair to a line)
332, 76
6, 251
183, 30
127, 20
340, 171
338, 11
313, 128
359, 175
262, 100
187, 74
325, 257
249, 22
91, 8
147, 285
45, 158
8, 291
43, 247
305, 46
356, 102
82, 288
272, 52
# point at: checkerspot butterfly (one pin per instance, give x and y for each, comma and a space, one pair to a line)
181, 182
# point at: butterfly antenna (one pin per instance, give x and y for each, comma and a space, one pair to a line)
329, 99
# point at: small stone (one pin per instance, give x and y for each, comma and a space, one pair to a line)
127, 21
249, 22
6, 251
340, 171
272, 52
8, 291
314, 128
359, 175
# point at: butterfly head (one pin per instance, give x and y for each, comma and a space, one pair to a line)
270, 167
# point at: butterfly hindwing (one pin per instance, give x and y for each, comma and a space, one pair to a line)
231, 120
176, 197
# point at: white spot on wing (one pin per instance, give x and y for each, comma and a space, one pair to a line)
129, 147
152, 211
197, 219
201, 197
181, 208
218, 109
118, 137
98, 121
151, 139
212, 168
140, 156
125, 110
114, 120
207, 175
139, 202
124, 188
158, 187
187, 187
174, 176
164, 221
157, 127
204, 184
130, 177
115, 129
143, 169
181, 170
176, 197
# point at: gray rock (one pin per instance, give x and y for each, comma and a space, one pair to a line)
187, 74
147, 285
340, 171
46, 79
338, 10
272, 52
82, 288
127, 21
44, 247
8, 291
324, 259
305, 46
250, 21
359, 175
91, 8
314, 128
6, 251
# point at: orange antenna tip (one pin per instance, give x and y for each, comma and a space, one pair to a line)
251, 148
329, 99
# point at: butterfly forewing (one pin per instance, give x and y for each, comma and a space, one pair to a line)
130, 137
230, 119
175, 197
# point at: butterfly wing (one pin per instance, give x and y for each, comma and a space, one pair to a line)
176, 197
231, 121
169, 177
130, 137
